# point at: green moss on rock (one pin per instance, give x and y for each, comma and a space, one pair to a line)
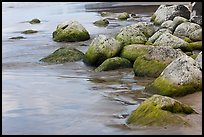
149, 68
63, 55
29, 31
196, 45
123, 16
163, 87
159, 111
103, 14
114, 63
102, 23
194, 56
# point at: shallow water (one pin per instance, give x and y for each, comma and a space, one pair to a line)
69, 98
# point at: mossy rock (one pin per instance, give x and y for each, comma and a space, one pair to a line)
34, 21
159, 111
194, 46
104, 14
194, 56
114, 63
71, 31
179, 78
18, 37
131, 52
196, 35
63, 55
29, 31
187, 39
101, 23
148, 68
100, 49
123, 16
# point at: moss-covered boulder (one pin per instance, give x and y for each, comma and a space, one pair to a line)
165, 12
168, 25
156, 35
114, 63
177, 21
63, 55
155, 61
180, 77
29, 31
159, 111
100, 49
135, 34
198, 59
104, 14
101, 23
185, 29
123, 16
167, 39
34, 21
196, 35
131, 52
70, 31
195, 46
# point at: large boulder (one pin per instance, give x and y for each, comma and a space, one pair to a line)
114, 63
164, 13
180, 77
63, 55
135, 34
196, 35
131, 52
100, 49
70, 31
167, 39
199, 60
185, 29
155, 61
159, 111
156, 35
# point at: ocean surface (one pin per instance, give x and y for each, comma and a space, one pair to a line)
62, 99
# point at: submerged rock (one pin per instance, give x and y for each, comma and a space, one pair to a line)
164, 13
180, 77
29, 31
104, 14
114, 63
155, 61
63, 55
34, 21
100, 49
123, 16
103, 22
18, 37
159, 111
70, 31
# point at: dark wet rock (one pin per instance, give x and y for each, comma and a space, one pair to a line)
34, 21
185, 29
114, 63
159, 111
197, 20
196, 35
100, 49
164, 13
63, 55
18, 37
182, 76
102, 22
155, 61
29, 31
123, 16
70, 31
